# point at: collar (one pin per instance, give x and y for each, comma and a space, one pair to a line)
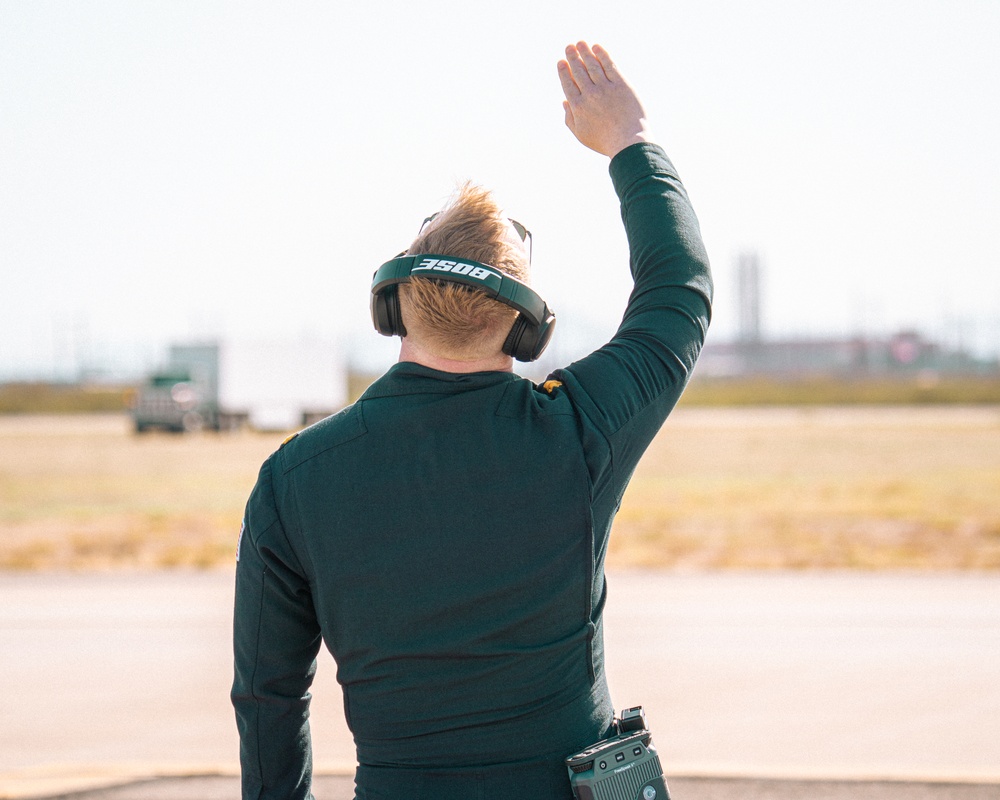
408, 377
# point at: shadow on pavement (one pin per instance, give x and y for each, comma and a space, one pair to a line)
341, 787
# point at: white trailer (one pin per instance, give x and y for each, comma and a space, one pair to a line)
267, 384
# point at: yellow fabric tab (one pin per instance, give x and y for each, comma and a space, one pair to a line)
549, 386
289, 438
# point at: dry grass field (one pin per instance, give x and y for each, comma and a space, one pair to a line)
800, 488
778, 488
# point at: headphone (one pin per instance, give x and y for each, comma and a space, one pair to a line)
530, 332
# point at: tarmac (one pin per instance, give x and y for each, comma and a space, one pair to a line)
777, 685
332, 787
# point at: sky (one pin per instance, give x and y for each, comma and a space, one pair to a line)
173, 171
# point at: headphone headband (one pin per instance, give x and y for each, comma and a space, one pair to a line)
535, 322
502, 288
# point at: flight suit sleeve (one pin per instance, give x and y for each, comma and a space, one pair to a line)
276, 638
627, 388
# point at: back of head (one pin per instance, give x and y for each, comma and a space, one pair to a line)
453, 320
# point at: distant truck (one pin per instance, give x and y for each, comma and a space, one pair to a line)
230, 385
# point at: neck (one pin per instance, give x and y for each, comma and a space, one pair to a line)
412, 351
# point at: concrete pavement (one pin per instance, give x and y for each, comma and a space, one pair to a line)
331, 787
108, 678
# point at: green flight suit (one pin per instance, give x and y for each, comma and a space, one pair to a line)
445, 536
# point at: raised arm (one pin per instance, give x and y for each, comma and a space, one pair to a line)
627, 388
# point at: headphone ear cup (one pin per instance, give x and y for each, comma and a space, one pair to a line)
394, 312
527, 342
521, 341
386, 314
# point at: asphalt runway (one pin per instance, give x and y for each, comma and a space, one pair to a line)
827, 682
342, 788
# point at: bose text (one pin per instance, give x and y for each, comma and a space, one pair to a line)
455, 268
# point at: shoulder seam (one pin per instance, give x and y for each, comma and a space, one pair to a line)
354, 411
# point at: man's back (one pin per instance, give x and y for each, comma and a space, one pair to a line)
444, 525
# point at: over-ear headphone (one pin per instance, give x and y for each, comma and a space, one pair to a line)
530, 332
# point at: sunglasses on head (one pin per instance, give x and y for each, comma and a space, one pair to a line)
519, 229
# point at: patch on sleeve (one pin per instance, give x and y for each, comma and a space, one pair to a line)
551, 385
239, 539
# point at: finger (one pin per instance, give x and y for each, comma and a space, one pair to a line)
580, 73
569, 87
606, 63
594, 68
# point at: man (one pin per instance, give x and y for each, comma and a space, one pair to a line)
445, 536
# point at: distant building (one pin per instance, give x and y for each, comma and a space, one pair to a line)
752, 354
748, 295
906, 352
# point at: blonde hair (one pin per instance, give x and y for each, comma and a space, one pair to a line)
453, 320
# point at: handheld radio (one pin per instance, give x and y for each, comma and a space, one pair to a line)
623, 766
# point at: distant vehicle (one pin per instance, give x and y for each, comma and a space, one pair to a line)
229, 385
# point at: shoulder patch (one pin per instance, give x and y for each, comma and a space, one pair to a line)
551, 385
289, 439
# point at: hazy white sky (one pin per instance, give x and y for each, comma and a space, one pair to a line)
179, 169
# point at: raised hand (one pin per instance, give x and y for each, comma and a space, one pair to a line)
602, 110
